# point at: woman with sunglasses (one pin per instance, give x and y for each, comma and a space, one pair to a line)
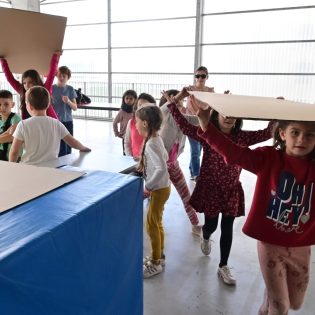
201, 76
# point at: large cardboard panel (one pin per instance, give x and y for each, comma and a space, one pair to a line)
28, 39
22, 182
257, 107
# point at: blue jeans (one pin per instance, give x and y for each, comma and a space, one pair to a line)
64, 148
195, 152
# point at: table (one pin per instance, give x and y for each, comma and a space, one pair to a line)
101, 106
97, 159
76, 250
97, 110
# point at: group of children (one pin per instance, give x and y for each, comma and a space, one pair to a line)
280, 217
46, 129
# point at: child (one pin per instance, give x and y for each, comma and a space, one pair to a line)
64, 102
40, 134
281, 216
8, 120
157, 183
124, 115
218, 188
201, 76
174, 142
133, 140
31, 78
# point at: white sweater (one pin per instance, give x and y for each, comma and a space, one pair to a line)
155, 163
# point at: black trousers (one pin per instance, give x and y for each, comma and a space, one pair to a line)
64, 148
226, 235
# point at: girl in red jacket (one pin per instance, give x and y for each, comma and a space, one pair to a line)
31, 78
281, 217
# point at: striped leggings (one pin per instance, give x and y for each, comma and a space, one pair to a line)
179, 182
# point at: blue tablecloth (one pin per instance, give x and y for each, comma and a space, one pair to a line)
75, 250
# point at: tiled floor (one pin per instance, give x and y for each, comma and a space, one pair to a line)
190, 284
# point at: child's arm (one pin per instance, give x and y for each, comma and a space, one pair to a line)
116, 121
76, 144
257, 136
127, 139
52, 71
71, 102
7, 136
251, 160
9, 76
187, 128
15, 150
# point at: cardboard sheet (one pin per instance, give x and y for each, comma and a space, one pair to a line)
23, 182
257, 107
28, 39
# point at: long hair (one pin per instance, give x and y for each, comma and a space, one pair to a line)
130, 93
214, 118
36, 80
154, 118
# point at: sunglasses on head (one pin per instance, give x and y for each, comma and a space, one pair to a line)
203, 76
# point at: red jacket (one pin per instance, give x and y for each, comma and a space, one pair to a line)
18, 87
281, 211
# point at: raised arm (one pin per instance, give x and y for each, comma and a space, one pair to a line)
257, 136
52, 71
17, 86
187, 128
251, 160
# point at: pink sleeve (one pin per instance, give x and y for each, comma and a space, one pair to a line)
9, 76
51, 112
52, 72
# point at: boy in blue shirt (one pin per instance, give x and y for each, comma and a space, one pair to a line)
64, 102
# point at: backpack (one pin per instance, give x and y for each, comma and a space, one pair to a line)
82, 99
5, 146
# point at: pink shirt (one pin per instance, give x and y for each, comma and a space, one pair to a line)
136, 139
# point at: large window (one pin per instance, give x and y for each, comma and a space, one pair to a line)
251, 47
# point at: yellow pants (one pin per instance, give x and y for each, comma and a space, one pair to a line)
154, 224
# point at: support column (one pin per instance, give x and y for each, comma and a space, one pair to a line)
198, 34
29, 5
109, 55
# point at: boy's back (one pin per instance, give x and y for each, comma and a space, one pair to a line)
41, 136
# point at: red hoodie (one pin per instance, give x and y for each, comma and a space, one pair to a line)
281, 211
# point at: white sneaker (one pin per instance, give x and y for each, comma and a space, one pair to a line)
147, 259
225, 274
150, 269
205, 245
196, 230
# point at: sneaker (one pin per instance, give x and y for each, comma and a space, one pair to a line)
196, 230
205, 245
151, 269
147, 259
225, 274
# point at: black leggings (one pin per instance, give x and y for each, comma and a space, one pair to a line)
226, 235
